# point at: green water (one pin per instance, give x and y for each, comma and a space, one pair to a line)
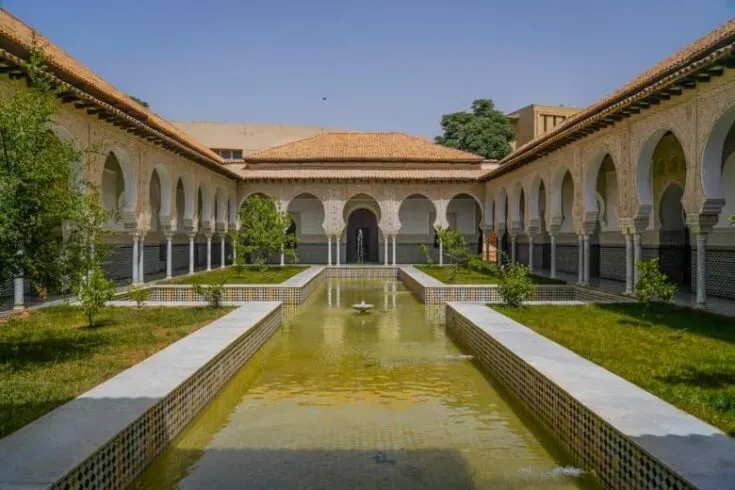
342, 400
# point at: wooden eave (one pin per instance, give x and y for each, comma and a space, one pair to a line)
15, 67
674, 84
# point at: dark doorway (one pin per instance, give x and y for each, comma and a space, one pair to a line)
674, 248
362, 220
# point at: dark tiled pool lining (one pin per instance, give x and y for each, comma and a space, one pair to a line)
104, 438
627, 436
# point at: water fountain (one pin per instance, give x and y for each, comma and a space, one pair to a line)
362, 307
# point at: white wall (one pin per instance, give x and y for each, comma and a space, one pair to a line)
310, 215
415, 216
611, 201
465, 214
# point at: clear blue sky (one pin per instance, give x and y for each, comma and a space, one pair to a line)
391, 65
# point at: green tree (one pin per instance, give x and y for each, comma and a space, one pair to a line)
86, 247
515, 285
653, 284
484, 131
263, 232
38, 190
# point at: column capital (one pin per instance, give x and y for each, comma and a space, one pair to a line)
191, 234
534, 227
169, 234
701, 224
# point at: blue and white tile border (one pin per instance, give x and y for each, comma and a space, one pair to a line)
432, 291
104, 438
628, 437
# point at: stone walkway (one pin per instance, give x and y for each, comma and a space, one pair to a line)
721, 306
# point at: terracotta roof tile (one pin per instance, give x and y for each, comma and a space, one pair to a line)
362, 147
717, 38
361, 174
21, 34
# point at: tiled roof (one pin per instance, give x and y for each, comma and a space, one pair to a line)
718, 38
362, 147
74, 72
326, 173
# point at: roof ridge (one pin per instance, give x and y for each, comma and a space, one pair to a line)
661, 69
17, 32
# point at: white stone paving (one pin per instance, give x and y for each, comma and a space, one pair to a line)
45, 450
697, 451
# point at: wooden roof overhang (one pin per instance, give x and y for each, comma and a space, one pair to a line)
672, 83
70, 91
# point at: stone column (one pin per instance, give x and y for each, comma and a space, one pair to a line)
222, 237
636, 255
586, 244
530, 252
336, 239
385, 251
552, 238
394, 249
209, 251
485, 239
329, 250
191, 252
628, 263
512, 248
141, 260
580, 259
283, 257
441, 252
135, 258
701, 268
169, 250
18, 296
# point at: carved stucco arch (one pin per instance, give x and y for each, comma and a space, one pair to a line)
404, 198
645, 135
456, 193
514, 200
130, 178
717, 124
534, 192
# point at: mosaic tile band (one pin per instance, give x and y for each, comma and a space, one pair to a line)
595, 445
119, 461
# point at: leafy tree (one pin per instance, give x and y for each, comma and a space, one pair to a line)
94, 292
263, 232
212, 293
85, 250
454, 247
652, 284
139, 294
139, 101
37, 183
484, 131
515, 285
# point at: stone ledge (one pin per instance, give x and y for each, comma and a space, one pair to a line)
629, 437
110, 433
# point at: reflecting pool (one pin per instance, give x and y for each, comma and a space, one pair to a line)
339, 399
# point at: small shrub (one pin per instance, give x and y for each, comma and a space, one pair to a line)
139, 294
239, 266
653, 284
515, 284
212, 293
425, 250
452, 274
93, 291
475, 263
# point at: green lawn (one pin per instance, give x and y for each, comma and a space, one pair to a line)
684, 356
49, 356
272, 275
467, 276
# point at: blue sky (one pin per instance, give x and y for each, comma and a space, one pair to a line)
383, 65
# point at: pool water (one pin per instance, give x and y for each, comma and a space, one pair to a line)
381, 400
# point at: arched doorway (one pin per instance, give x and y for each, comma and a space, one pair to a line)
307, 214
674, 248
362, 224
417, 215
